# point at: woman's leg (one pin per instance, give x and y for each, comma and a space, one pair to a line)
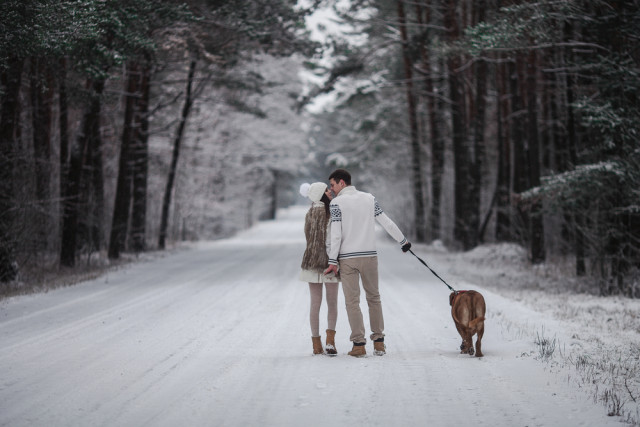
332, 305
315, 291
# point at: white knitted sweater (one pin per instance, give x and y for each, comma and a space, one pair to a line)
353, 217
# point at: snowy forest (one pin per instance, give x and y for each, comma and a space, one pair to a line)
129, 126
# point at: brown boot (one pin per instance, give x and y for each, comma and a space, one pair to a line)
379, 349
331, 342
317, 345
358, 350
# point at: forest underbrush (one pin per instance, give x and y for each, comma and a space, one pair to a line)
43, 273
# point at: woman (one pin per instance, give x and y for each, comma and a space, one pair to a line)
315, 261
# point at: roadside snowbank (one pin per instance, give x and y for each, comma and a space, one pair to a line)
593, 341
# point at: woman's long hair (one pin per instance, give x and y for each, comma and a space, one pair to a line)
326, 201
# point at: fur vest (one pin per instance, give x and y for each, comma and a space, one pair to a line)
315, 257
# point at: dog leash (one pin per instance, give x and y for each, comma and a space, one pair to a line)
434, 273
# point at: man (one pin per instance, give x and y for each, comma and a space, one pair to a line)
353, 216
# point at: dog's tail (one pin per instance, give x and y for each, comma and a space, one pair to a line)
473, 325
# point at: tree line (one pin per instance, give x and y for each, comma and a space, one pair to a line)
81, 82
521, 120
510, 121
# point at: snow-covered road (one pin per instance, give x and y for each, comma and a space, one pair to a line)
218, 335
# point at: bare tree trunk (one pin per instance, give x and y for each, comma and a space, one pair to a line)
64, 129
462, 156
437, 144
416, 152
504, 208
41, 91
517, 128
479, 120
95, 207
122, 203
437, 165
166, 202
10, 79
519, 172
91, 190
536, 218
503, 193
141, 164
41, 101
74, 187
571, 157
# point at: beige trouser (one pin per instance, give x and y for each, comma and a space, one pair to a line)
351, 270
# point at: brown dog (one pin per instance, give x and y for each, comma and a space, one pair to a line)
468, 310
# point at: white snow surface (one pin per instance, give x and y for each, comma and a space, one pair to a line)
218, 335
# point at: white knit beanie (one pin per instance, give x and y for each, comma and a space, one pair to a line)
313, 191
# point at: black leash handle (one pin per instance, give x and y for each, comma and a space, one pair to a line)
434, 273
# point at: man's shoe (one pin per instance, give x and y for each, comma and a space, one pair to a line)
358, 350
379, 347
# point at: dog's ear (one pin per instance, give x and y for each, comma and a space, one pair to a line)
451, 296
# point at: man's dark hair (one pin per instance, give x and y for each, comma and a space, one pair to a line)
341, 174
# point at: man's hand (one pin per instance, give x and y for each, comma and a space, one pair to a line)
331, 268
406, 247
